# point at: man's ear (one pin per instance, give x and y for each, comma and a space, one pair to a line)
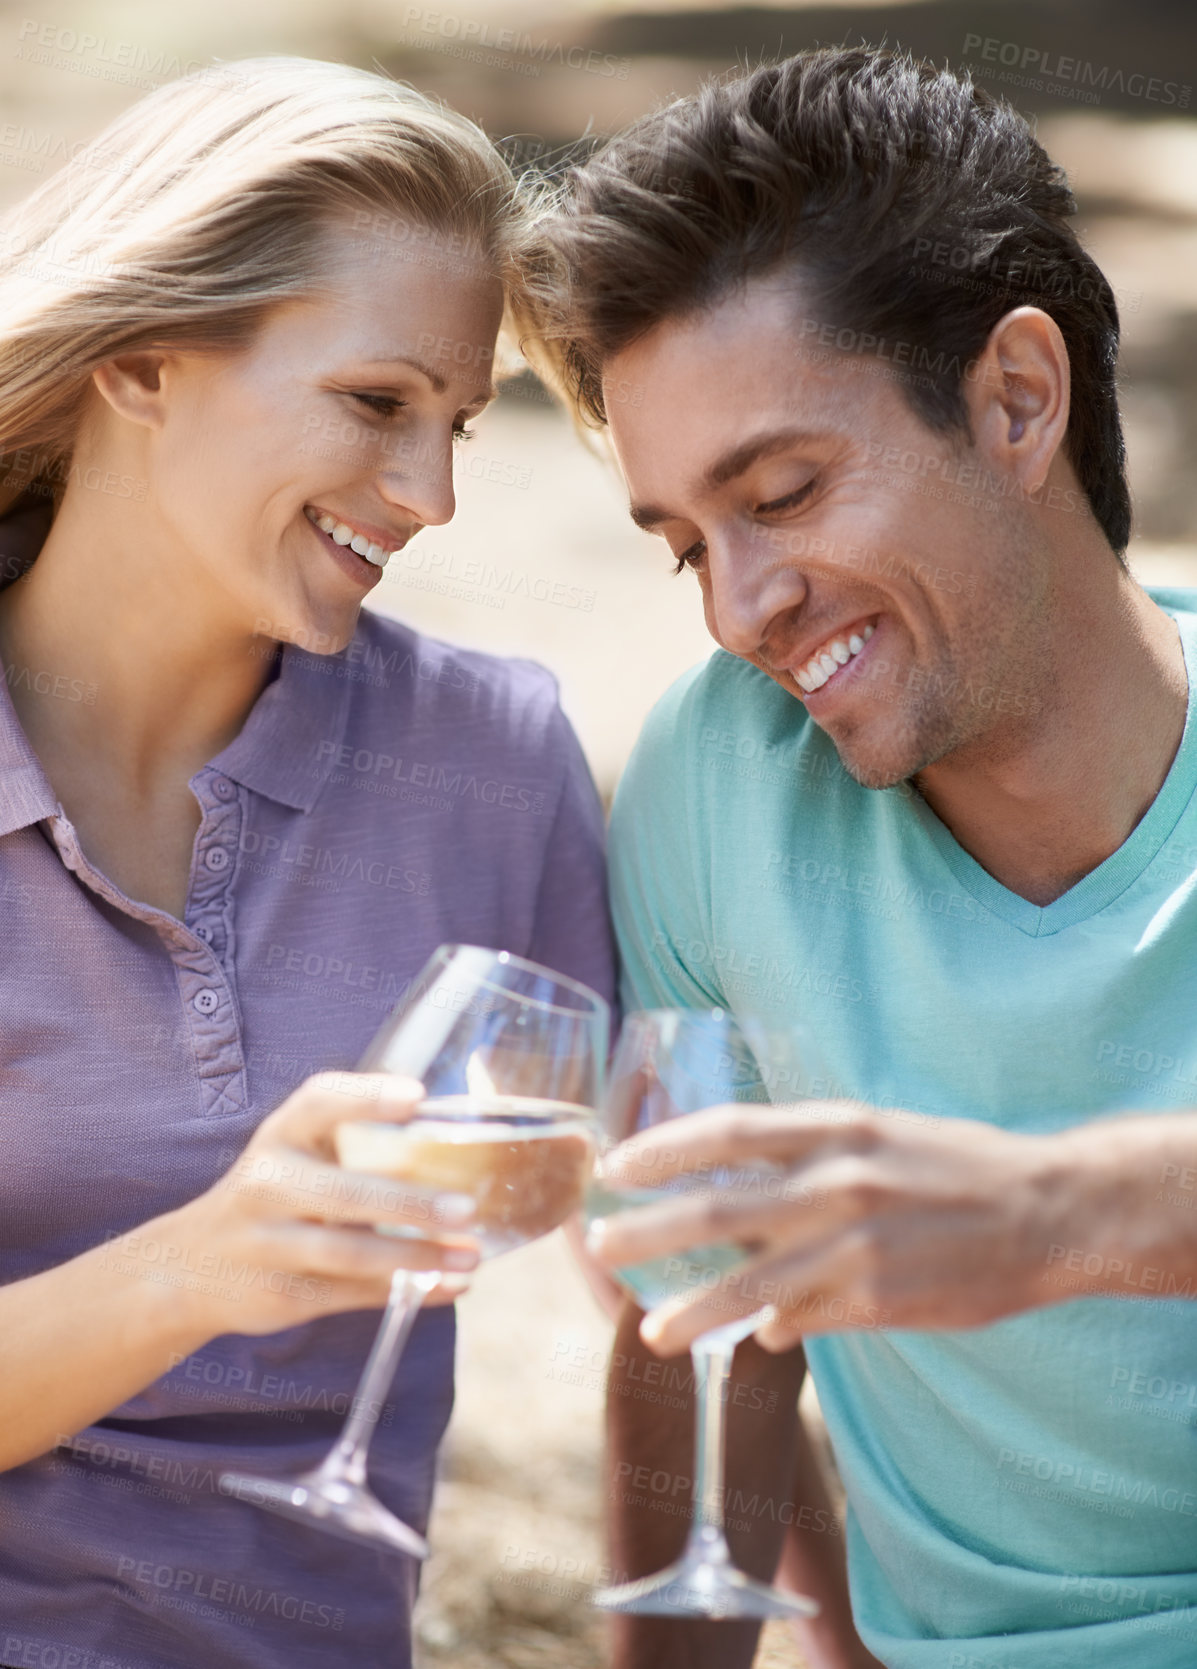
134, 385
1018, 391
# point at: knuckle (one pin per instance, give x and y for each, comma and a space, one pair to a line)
861, 1186
742, 1129
721, 1214
864, 1256
862, 1133
348, 1256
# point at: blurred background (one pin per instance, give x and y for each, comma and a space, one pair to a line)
1109, 87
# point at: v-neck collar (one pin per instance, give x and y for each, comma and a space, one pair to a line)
1095, 891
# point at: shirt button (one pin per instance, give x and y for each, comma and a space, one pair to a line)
204, 933
217, 858
223, 787
205, 1000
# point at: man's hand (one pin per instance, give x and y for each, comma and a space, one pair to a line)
871, 1221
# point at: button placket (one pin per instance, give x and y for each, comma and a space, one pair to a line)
206, 970
214, 1025
209, 907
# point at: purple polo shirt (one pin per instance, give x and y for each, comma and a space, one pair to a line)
376, 803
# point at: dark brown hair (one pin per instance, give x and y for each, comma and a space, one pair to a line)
915, 208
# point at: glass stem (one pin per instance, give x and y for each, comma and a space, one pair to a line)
347, 1461
712, 1359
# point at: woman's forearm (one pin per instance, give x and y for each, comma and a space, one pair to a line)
82, 1338
296, 1233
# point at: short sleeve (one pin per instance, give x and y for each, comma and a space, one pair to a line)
572, 928
659, 900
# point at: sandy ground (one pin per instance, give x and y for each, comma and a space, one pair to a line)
516, 1531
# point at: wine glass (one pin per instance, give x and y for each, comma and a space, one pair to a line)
670, 1062
511, 1057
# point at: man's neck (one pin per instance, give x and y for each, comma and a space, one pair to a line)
1043, 810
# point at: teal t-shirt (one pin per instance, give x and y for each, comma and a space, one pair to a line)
1023, 1494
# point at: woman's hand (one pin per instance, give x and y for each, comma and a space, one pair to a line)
858, 1220
286, 1235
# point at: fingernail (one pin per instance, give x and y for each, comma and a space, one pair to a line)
459, 1258
396, 1087
596, 1237
455, 1208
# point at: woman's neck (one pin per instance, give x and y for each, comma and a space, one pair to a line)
111, 653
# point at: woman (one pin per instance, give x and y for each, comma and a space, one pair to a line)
239, 338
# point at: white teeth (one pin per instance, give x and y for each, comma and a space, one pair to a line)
829, 660
343, 534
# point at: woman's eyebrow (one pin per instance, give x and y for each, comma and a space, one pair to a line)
439, 383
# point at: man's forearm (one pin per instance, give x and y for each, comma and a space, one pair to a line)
1127, 1224
650, 1439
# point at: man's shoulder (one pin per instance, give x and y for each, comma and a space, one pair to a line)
730, 696
727, 737
1176, 599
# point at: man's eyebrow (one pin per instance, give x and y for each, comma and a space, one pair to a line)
731, 464
750, 452
439, 383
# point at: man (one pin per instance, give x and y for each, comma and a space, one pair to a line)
932, 807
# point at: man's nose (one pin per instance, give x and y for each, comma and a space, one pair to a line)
747, 590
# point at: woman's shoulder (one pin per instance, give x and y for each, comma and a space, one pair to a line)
396, 673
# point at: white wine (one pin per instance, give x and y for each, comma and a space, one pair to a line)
525, 1162
659, 1279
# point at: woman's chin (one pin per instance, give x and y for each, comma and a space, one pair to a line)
323, 632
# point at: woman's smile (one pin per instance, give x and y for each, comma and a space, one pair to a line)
369, 542
359, 557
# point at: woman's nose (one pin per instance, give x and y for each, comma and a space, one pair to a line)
424, 486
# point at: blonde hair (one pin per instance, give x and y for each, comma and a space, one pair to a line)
202, 206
